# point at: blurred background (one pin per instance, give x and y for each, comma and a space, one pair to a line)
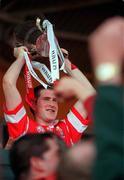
73, 22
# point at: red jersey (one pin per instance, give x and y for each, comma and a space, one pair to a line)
69, 129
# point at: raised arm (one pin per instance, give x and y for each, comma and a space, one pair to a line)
76, 119
86, 85
106, 47
11, 93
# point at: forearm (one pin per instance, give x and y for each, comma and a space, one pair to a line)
79, 85
78, 75
81, 92
11, 93
13, 72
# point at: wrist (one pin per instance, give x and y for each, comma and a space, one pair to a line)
82, 93
108, 73
21, 60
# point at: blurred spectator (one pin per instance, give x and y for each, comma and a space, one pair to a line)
106, 49
107, 52
5, 167
77, 163
36, 156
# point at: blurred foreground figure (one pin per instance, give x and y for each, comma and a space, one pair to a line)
107, 52
36, 156
77, 163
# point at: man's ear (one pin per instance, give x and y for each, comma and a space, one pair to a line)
36, 163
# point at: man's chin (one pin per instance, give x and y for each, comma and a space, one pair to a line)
50, 120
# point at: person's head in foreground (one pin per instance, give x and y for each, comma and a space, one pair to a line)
77, 162
36, 156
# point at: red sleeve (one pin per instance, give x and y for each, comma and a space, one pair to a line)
17, 121
76, 124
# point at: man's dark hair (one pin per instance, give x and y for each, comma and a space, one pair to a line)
37, 91
31, 145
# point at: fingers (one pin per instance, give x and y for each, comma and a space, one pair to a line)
65, 87
68, 64
65, 52
18, 51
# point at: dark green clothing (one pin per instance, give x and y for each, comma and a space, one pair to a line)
109, 130
5, 169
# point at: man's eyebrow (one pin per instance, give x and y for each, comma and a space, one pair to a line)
46, 97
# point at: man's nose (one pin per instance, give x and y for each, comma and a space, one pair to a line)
51, 102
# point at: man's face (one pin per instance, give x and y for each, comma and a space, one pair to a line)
47, 106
